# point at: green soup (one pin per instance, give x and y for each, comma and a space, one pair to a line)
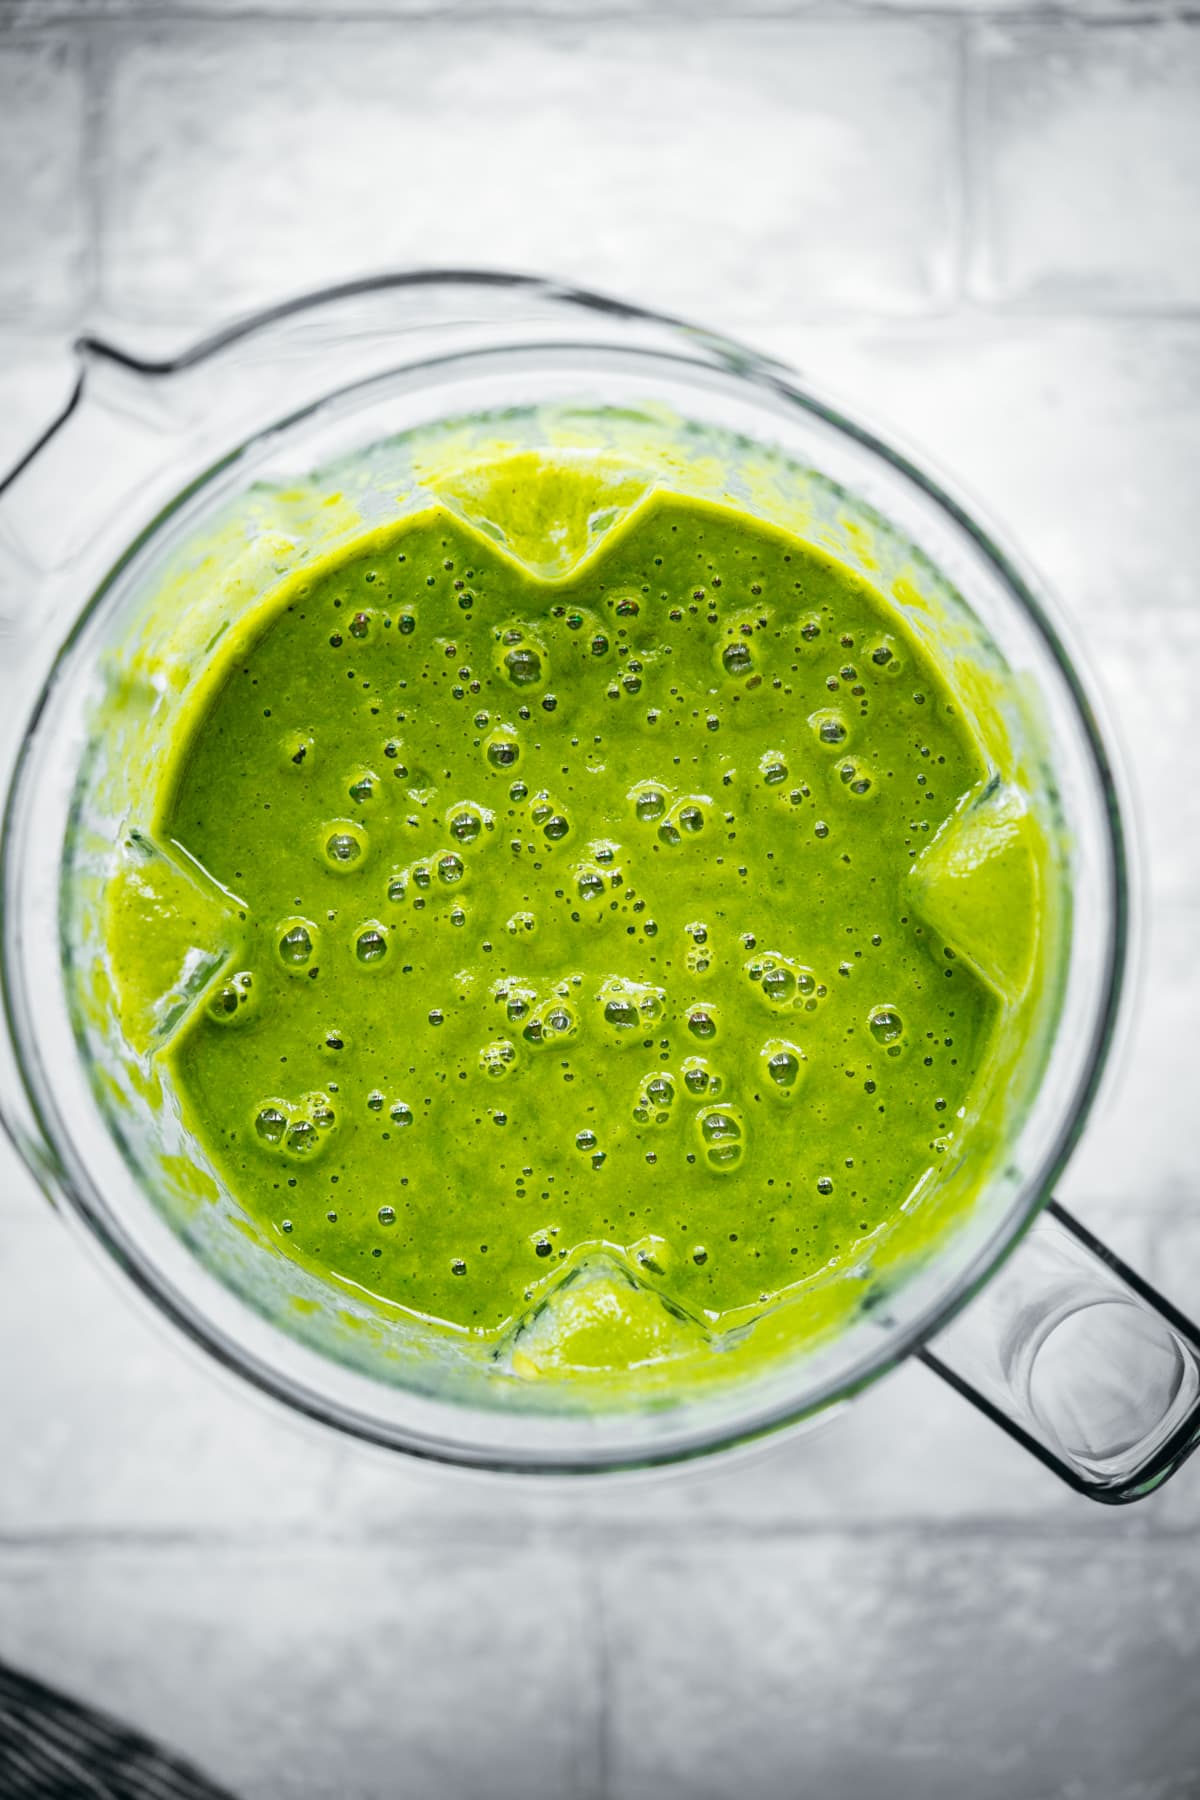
581, 916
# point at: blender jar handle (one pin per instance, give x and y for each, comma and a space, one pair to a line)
1081, 1361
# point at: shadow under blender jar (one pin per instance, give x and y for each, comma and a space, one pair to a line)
161, 506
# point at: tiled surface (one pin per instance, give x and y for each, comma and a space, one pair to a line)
777, 1667
1089, 166
910, 1668
43, 244
981, 229
436, 1668
377, 133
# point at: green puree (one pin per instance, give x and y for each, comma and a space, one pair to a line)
579, 914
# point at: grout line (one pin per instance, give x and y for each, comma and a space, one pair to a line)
476, 12
962, 177
969, 161
1041, 312
596, 1745
90, 175
1084, 1523
176, 327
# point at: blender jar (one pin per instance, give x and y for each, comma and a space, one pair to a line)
168, 498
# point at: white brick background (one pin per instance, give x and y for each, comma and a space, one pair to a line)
981, 225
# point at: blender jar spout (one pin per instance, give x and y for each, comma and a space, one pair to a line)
76, 486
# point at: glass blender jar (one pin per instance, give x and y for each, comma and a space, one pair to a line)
151, 465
